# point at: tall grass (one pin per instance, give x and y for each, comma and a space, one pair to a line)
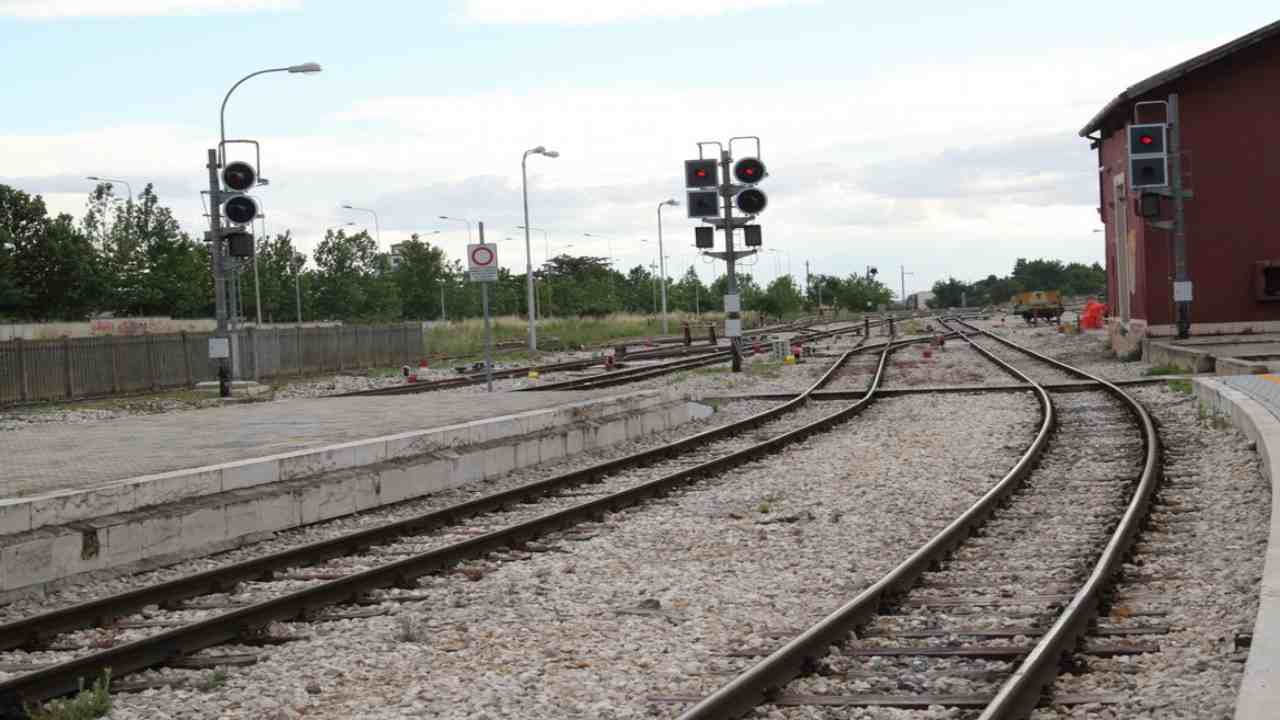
466, 337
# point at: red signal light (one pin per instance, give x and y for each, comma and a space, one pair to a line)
1146, 139
701, 173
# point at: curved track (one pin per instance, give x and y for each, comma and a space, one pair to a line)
978, 608
271, 588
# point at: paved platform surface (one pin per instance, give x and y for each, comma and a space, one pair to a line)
1263, 388
49, 458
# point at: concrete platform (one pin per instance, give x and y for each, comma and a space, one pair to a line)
140, 492
1252, 403
1218, 354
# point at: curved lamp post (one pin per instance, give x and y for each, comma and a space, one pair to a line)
528, 253
456, 219
377, 229
662, 261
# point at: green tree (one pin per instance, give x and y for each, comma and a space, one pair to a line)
22, 220
950, 293
48, 269
781, 298
420, 277
689, 294
354, 282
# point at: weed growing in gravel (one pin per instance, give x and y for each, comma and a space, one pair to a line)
213, 680
86, 705
1180, 386
1164, 370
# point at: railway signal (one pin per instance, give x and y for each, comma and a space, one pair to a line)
749, 171
703, 203
1148, 156
700, 174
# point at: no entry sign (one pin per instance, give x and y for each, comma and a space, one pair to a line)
482, 262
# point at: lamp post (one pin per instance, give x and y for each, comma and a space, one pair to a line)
528, 253
663, 262
455, 219
377, 230
297, 285
217, 160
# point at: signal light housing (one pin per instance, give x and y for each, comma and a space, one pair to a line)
239, 243
751, 201
703, 203
241, 209
749, 170
701, 174
1148, 156
752, 236
704, 237
239, 176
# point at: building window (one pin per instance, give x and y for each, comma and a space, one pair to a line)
1266, 280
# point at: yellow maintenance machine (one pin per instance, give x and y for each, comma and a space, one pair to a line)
1035, 304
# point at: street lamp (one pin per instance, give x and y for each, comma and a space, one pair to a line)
305, 68
126, 185
468, 222
662, 262
377, 230
298, 262
528, 252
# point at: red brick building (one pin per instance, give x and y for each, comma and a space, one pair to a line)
1229, 103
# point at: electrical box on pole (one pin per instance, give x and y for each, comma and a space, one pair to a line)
751, 236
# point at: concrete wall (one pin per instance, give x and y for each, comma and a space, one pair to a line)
202, 511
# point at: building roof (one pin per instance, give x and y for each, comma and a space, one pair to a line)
1177, 71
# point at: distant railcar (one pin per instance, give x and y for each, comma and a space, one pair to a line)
1037, 304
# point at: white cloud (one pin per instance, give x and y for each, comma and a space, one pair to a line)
55, 9
599, 12
957, 168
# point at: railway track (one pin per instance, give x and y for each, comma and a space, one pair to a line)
705, 355
233, 604
979, 618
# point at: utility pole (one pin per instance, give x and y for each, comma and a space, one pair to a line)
1182, 280
733, 316
223, 343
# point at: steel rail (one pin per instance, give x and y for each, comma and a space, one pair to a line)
34, 629
1021, 692
67, 677
759, 682
629, 375
478, 378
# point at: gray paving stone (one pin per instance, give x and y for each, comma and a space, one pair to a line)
49, 458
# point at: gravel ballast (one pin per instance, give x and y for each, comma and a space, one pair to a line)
643, 604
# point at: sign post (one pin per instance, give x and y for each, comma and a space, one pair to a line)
482, 264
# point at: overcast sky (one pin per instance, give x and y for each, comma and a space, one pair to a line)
935, 134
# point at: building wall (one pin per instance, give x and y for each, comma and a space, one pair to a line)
1228, 109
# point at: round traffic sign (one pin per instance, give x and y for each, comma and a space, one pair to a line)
481, 256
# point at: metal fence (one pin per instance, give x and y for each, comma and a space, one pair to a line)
32, 370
